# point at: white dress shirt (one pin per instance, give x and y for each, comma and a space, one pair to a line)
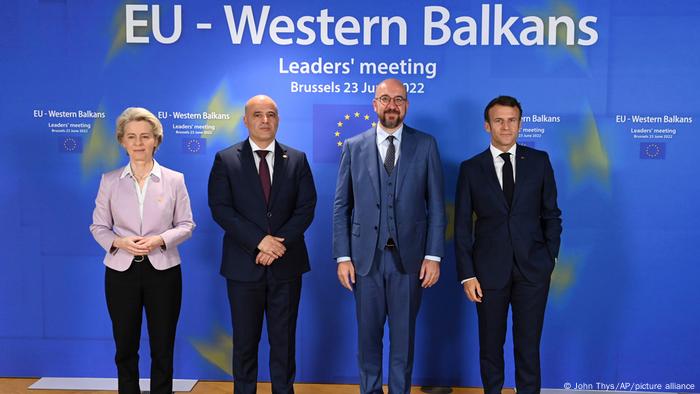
498, 162
383, 142
141, 193
270, 158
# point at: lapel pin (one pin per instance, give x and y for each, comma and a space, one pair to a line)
284, 155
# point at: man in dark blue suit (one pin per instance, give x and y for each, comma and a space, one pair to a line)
506, 257
388, 234
262, 194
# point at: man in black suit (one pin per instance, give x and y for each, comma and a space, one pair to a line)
262, 194
506, 257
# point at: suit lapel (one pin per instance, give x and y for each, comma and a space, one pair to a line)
369, 151
129, 202
153, 198
408, 150
245, 155
522, 170
491, 178
278, 173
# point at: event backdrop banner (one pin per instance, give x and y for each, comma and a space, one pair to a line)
608, 88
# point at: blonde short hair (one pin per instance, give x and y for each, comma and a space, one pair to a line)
135, 114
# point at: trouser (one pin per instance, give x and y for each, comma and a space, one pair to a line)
279, 302
128, 293
386, 292
528, 301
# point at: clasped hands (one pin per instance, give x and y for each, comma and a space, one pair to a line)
139, 246
270, 249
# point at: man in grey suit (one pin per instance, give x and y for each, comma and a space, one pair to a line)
388, 233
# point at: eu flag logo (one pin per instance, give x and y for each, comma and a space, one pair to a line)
333, 124
194, 145
652, 150
70, 144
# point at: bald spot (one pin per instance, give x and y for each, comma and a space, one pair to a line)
260, 99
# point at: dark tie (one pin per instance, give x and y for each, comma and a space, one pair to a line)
508, 182
390, 157
264, 172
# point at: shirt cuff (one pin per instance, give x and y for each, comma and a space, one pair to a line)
432, 258
343, 258
467, 280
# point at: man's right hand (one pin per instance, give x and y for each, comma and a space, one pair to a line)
472, 288
346, 274
272, 246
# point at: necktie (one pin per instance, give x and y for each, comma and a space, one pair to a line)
390, 157
264, 172
508, 182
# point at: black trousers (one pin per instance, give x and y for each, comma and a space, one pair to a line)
278, 301
528, 301
128, 293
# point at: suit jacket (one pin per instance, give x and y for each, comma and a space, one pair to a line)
419, 205
238, 205
166, 212
529, 231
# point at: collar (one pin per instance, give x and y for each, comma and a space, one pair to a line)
155, 171
382, 134
255, 147
495, 152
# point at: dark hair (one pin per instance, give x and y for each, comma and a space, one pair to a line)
507, 101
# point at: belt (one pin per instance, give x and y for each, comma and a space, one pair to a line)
390, 243
139, 259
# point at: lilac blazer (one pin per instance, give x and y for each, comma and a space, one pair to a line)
166, 212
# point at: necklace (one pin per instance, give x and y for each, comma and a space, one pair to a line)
142, 177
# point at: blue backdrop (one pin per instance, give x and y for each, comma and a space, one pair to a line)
611, 94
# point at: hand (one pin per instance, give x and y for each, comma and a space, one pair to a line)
131, 245
264, 259
272, 246
151, 243
472, 288
429, 273
346, 274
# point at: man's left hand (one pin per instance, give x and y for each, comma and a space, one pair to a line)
429, 273
264, 258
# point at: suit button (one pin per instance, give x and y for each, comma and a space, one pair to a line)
269, 214
378, 206
375, 227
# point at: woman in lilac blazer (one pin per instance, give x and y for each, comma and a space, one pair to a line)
142, 213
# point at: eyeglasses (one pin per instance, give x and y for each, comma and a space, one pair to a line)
385, 100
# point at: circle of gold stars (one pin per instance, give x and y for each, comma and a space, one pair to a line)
193, 145
652, 150
70, 144
338, 132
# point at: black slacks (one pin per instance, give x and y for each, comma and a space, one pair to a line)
128, 293
279, 302
528, 301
